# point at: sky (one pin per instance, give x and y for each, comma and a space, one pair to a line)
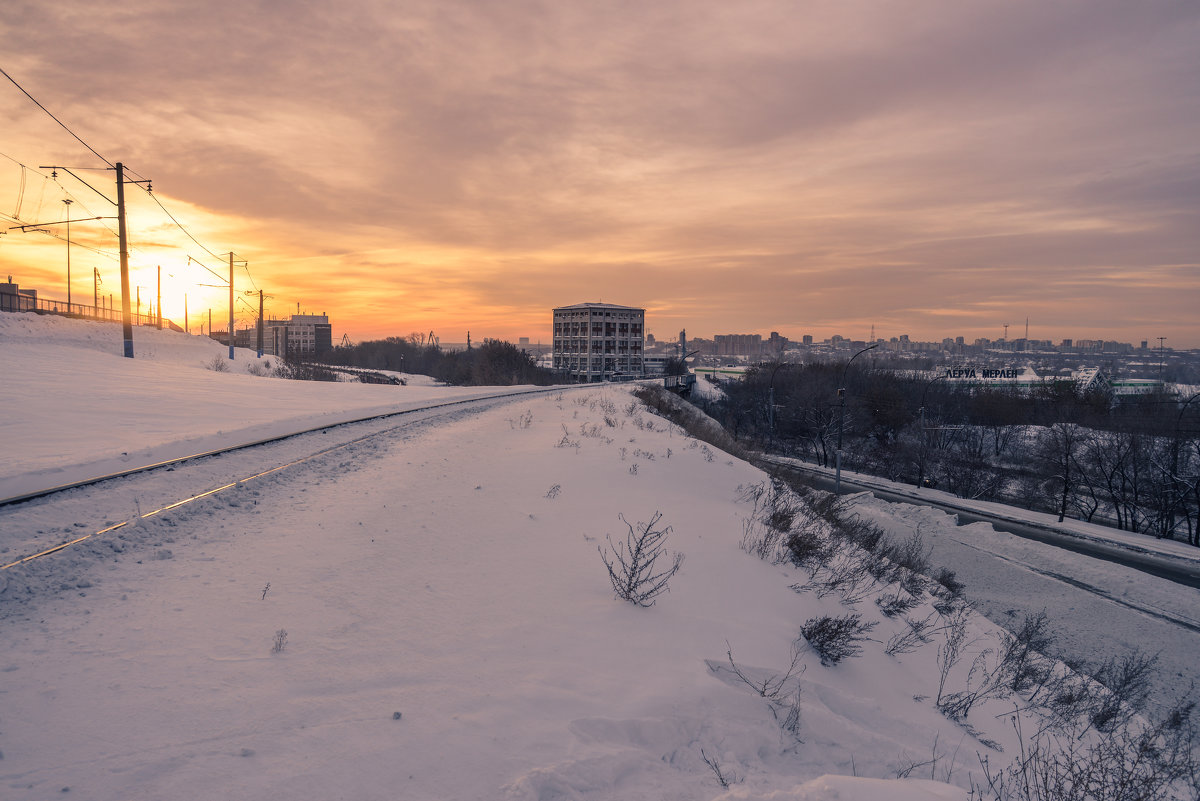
926, 168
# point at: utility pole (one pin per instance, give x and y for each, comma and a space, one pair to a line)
231, 305
126, 323
67, 202
96, 291
186, 330
260, 323
158, 300
138, 313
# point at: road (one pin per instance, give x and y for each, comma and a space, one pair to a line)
1180, 572
1102, 601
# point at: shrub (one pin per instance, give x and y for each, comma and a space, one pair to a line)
638, 567
836, 638
806, 547
898, 604
1137, 761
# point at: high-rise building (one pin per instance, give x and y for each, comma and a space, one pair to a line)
738, 344
599, 341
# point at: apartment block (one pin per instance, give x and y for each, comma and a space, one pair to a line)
599, 341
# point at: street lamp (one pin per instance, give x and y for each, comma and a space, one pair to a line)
1175, 463
837, 483
771, 397
921, 462
67, 202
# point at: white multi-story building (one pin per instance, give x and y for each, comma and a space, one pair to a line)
599, 341
302, 336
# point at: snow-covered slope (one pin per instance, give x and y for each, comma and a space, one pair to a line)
75, 407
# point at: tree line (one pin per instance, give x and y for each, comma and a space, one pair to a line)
492, 363
1131, 463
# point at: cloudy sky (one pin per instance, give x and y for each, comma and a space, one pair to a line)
930, 168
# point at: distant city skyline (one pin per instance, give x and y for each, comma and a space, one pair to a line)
932, 169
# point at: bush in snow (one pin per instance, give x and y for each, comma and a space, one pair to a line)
639, 568
836, 638
724, 776
1138, 761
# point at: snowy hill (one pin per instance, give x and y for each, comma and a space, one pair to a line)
425, 614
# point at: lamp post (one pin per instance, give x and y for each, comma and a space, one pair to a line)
837, 483
1175, 464
67, 202
771, 397
921, 463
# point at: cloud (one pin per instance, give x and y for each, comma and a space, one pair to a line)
743, 166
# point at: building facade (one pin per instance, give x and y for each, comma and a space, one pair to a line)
599, 341
303, 336
738, 344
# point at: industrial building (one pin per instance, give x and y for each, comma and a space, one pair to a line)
599, 341
301, 336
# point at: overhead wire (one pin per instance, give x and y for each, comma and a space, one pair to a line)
154, 197
146, 189
20, 193
56, 119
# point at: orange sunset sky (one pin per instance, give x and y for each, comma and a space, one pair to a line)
930, 168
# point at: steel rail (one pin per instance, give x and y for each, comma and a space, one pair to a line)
29, 496
242, 481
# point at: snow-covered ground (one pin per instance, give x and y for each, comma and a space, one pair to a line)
451, 632
75, 407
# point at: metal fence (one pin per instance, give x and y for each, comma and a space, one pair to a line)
25, 303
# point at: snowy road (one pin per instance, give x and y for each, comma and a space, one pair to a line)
1097, 609
1175, 567
1100, 598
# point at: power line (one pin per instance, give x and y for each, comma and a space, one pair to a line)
248, 275
224, 281
154, 197
56, 119
146, 188
102, 158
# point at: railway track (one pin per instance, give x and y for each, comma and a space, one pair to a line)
33, 522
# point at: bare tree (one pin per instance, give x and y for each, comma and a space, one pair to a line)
1059, 447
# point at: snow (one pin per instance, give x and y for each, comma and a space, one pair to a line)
450, 629
1080, 529
79, 408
